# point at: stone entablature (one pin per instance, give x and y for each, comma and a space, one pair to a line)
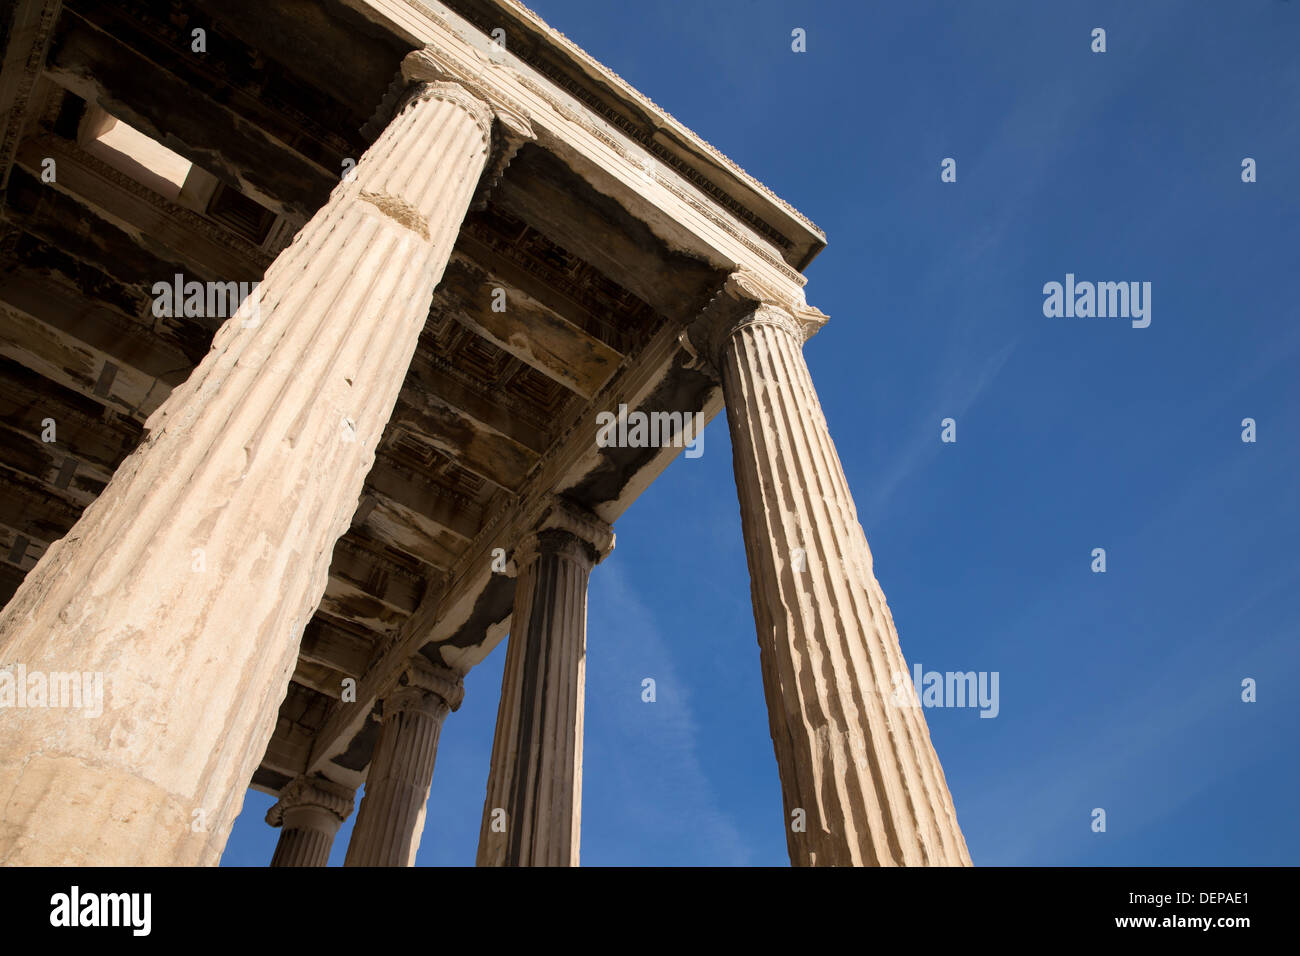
681, 212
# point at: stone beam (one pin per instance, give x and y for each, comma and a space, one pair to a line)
309, 38
613, 477
288, 748
323, 680
349, 601
176, 111
522, 325
77, 366
81, 427
69, 238
473, 446
167, 230
54, 323
397, 487
18, 551
610, 98
30, 509
30, 25
299, 716
540, 190
63, 222
52, 466
407, 530
83, 450
368, 590
10, 580
334, 647
481, 244
429, 383
398, 586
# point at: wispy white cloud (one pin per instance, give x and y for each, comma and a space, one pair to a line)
962, 383
645, 785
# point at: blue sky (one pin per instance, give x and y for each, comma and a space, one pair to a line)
1119, 690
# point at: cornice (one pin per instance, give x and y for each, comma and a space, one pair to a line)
632, 146
625, 89
582, 119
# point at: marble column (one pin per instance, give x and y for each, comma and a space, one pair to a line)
187, 584
309, 813
391, 819
533, 812
860, 779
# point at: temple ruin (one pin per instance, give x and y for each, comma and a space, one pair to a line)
282, 520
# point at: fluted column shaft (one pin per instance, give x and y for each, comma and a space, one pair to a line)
860, 767
306, 838
309, 813
391, 819
533, 812
189, 581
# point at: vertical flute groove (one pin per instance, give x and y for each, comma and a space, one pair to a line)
861, 768
251, 471
391, 819
536, 769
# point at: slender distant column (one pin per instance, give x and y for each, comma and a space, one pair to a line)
187, 584
853, 756
391, 818
533, 812
309, 813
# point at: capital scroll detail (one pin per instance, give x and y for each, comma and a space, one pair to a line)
426, 68
743, 302
425, 687
318, 792
563, 527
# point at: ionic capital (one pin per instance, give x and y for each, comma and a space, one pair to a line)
451, 92
432, 74
316, 792
504, 121
567, 529
743, 302
426, 688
